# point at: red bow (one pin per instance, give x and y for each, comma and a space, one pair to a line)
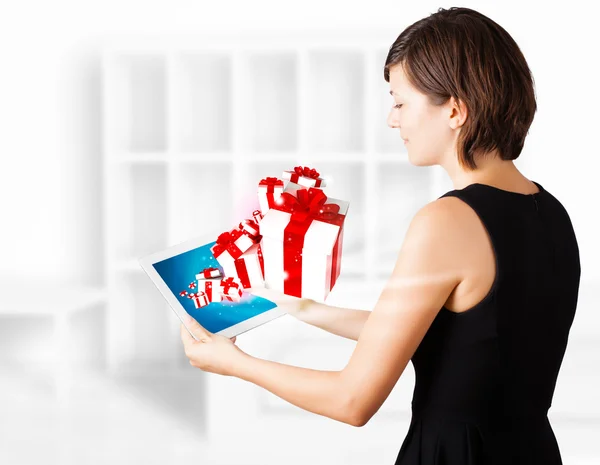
271, 181
308, 203
306, 172
226, 241
229, 282
207, 271
225, 237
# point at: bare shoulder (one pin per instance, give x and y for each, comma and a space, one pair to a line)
447, 218
460, 245
435, 240
446, 233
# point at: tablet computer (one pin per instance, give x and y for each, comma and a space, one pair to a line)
174, 271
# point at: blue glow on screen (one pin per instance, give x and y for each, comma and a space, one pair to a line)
181, 270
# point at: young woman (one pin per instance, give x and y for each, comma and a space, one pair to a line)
485, 287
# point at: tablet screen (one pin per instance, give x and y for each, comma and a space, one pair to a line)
179, 272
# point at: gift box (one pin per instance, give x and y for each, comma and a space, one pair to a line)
232, 244
208, 282
269, 191
250, 228
302, 242
304, 176
200, 299
211, 272
257, 216
231, 289
248, 267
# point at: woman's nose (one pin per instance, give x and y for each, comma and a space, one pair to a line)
391, 121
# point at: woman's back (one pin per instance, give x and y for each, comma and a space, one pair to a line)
485, 377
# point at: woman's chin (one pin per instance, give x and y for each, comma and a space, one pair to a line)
416, 161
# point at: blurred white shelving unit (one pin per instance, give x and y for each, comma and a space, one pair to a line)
189, 132
63, 304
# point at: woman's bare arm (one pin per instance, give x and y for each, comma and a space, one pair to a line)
344, 322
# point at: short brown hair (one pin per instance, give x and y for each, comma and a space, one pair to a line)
461, 53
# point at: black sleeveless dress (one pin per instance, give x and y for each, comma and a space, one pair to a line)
485, 378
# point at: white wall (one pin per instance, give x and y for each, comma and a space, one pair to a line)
50, 97
50, 120
50, 184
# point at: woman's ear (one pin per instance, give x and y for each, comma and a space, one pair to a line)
458, 113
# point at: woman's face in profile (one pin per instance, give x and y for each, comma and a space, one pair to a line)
424, 127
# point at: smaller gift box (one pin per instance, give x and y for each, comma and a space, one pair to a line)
231, 289
250, 228
232, 244
304, 176
257, 215
208, 282
269, 191
211, 272
200, 299
247, 266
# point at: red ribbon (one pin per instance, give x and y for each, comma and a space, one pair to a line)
242, 271
239, 263
305, 172
227, 283
271, 182
206, 272
254, 232
261, 261
310, 204
208, 289
201, 299
226, 242
257, 215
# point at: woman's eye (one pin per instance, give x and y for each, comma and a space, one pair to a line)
398, 105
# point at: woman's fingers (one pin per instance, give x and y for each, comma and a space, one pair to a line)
186, 337
199, 331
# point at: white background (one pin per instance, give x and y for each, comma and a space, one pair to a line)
50, 184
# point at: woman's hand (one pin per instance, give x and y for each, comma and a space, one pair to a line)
212, 352
295, 306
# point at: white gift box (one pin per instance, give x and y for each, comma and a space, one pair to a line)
302, 177
312, 270
233, 244
247, 268
200, 299
211, 272
252, 264
227, 262
250, 227
234, 289
210, 286
267, 194
257, 215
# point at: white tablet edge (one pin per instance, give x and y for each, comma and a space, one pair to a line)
148, 261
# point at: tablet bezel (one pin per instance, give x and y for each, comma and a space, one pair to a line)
148, 261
